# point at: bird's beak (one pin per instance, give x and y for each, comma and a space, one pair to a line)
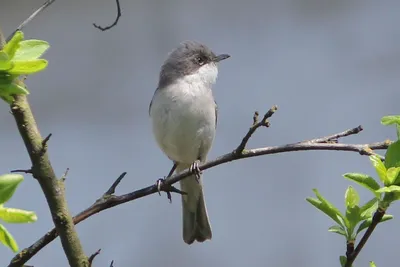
221, 57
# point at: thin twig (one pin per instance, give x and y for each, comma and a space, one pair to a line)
115, 21
378, 215
264, 122
335, 137
109, 200
91, 258
31, 17
24, 171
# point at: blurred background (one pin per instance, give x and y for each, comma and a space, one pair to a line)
328, 65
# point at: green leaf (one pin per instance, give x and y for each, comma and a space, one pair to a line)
342, 260
31, 49
365, 224
380, 168
372, 264
13, 89
11, 47
363, 180
338, 229
10, 215
388, 120
392, 157
5, 63
326, 207
351, 197
7, 239
8, 185
389, 189
28, 66
398, 131
393, 174
368, 208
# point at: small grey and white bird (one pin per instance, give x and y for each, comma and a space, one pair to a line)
184, 119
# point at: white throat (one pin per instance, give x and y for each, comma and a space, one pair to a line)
206, 74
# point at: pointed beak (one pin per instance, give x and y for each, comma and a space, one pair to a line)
221, 57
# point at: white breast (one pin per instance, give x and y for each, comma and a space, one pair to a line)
183, 116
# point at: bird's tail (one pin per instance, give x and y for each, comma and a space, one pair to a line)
196, 225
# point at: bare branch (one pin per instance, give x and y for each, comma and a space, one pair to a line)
24, 171
31, 17
108, 200
91, 258
115, 21
335, 137
264, 122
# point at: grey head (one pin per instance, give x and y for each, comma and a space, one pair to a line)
186, 59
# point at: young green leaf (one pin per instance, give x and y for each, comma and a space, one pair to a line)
351, 197
365, 224
13, 89
380, 168
372, 264
10, 215
389, 189
393, 174
5, 63
11, 47
342, 260
388, 120
398, 131
31, 49
28, 66
363, 180
327, 208
368, 209
8, 185
338, 229
392, 157
7, 239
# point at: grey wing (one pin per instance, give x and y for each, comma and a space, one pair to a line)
216, 114
151, 102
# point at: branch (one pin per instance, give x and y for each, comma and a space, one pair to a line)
115, 21
31, 17
42, 170
378, 215
109, 200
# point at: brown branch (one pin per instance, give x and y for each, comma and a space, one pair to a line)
52, 188
91, 258
115, 21
31, 17
378, 215
108, 200
256, 124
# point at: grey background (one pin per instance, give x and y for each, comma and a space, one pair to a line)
329, 65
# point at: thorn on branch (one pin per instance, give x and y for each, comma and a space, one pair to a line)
115, 21
91, 258
24, 171
112, 264
256, 124
44, 143
112, 188
64, 176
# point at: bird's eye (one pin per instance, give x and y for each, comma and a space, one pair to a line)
200, 60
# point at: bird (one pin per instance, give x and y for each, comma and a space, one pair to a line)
184, 118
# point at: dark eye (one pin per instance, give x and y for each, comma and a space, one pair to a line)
200, 60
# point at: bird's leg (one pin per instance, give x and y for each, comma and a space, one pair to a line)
194, 168
160, 181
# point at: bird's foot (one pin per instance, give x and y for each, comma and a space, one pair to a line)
194, 168
167, 188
